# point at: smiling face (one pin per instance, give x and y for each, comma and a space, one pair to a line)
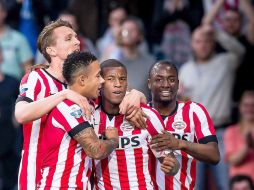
115, 86
66, 42
163, 83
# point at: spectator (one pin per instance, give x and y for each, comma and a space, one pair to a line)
232, 23
8, 157
208, 79
17, 54
116, 16
174, 24
239, 139
136, 59
241, 182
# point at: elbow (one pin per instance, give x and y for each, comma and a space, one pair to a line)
20, 117
215, 159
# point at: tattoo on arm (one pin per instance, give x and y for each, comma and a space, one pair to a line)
94, 147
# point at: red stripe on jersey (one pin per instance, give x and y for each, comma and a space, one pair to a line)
120, 154
152, 167
68, 164
80, 170
184, 167
49, 178
24, 164
104, 162
193, 174
151, 129
106, 174
169, 185
209, 120
121, 163
170, 120
45, 82
118, 122
138, 154
155, 112
186, 118
37, 89
198, 126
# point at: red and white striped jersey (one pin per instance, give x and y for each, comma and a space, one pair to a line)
34, 86
65, 164
192, 123
128, 166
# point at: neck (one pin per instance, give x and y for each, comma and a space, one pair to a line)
130, 52
110, 108
55, 69
164, 108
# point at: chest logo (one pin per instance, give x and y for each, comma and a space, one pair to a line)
126, 126
179, 125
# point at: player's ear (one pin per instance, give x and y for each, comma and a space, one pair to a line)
82, 79
51, 51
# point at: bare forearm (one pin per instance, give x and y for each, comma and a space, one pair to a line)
26, 112
204, 152
210, 15
94, 147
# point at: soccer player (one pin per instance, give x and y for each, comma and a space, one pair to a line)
128, 166
69, 140
40, 91
189, 129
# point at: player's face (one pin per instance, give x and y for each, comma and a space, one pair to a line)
242, 185
93, 80
247, 108
66, 42
115, 86
163, 83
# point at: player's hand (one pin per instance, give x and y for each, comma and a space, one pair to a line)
111, 133
132, 99
164, 141
136, 117
169, 165
80, 100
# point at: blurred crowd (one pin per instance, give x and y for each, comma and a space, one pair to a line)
210, 41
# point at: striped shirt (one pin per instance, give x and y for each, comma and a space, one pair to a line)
128, 166
192, 123
34, 86
65, 164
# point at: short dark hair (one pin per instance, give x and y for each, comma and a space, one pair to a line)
239, 178
165, 62
111, 63
76, 62
46, 37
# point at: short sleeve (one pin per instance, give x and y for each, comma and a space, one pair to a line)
29, 88
203, 125
70, 118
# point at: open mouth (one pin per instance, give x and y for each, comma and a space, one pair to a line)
118, 92
166, 93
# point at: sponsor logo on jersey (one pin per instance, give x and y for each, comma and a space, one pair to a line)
75, 111
23, 88
179, 125
126, 126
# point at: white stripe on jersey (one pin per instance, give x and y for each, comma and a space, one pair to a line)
202, 117
65, 110
62, 156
